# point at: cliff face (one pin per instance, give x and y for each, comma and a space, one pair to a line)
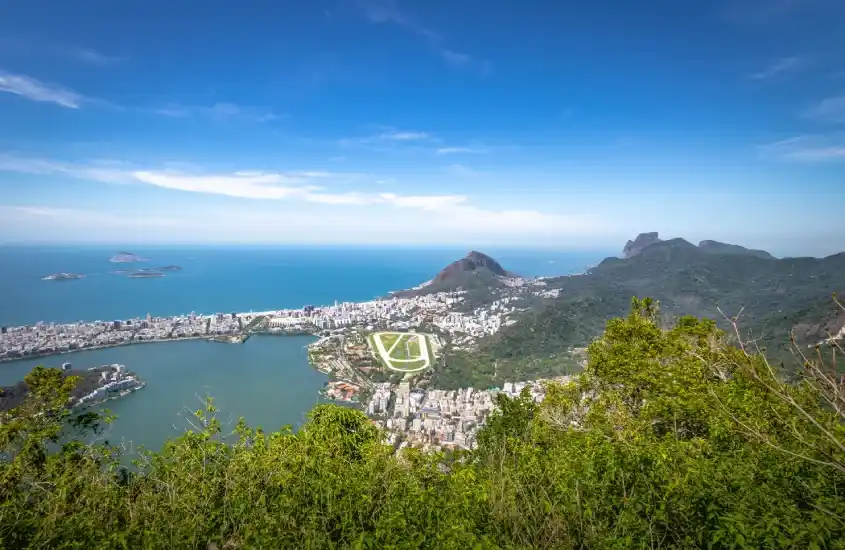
645, 240
635, 247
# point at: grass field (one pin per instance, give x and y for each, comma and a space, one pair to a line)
402, 352
388, 339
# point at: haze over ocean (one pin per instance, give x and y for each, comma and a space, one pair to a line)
230, 279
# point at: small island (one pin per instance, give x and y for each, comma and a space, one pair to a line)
168, 268
62, 277
126, 258
145, 274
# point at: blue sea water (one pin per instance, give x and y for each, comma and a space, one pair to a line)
228, 279
267, 380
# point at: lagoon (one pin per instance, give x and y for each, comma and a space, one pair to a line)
267, 380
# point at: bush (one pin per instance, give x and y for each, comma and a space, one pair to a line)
669, 439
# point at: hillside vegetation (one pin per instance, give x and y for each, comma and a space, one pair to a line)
777, 298
670, 438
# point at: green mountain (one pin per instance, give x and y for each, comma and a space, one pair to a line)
776, 298
715, 247
476, 273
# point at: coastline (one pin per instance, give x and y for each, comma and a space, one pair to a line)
104, 346
220, 339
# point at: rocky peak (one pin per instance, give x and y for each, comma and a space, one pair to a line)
635, 247
473, 262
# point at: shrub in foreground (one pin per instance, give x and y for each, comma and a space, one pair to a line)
669, 439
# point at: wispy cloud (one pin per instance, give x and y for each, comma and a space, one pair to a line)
462, 170
35, 90
89, 56
830, 110
389, 138
301, 185
394, 135
781, 67
808, 148
459, 150
220, 112
389, 12
452, 212
455, 58
39, 46
51, 214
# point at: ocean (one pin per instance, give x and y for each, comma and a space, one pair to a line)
267, 380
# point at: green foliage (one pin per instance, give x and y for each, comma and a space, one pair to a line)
670, 438
778, 298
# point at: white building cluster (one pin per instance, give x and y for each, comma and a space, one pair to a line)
52, 338
438, 418
114, 382
437, 309
394, 312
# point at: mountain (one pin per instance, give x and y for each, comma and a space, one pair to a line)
635, 247
645, 240
476, 272
715, 247
474, 263
777, 297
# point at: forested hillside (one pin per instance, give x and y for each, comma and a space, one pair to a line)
776, 298
670, 438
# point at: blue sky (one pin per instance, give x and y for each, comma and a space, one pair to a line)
538, 123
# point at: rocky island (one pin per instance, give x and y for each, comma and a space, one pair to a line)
126, 258
63, 277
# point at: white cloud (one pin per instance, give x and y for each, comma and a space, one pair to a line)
462, 170
781, 66
388, 11
404, 136
240, 184
95, 218
237, 224
831, 110
810, 149
425, 202
220, 112
35, 90
455, 58
40, 46
88, 56
458, 150
388, 139
284, 200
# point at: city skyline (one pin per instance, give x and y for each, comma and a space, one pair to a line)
381, 122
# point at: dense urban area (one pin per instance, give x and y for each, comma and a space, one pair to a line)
412, 413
